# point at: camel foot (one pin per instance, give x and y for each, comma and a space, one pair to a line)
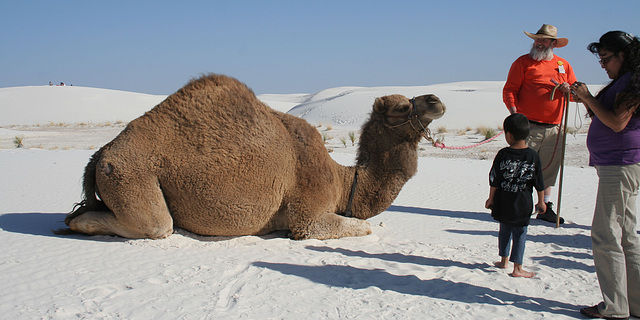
64, 232
332, 226
105, 223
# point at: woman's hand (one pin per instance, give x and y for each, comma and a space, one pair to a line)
616, 119
566, 88
580, 90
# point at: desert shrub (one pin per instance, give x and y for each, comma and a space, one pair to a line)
57, 124
17, 141
352, 137
487, 132
326, 137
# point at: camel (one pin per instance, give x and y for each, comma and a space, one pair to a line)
214, 160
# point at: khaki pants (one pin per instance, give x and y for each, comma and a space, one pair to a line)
545, 140
615, 240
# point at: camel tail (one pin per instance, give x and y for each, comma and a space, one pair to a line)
90, 201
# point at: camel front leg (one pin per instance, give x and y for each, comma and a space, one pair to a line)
329, 226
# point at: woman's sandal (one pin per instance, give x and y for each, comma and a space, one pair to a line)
592, 312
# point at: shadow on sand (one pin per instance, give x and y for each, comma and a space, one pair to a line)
358, 278
35, 223
403, 258
480, 216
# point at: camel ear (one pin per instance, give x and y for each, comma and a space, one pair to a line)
378, 106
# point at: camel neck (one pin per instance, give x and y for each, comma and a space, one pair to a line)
386, 161
380, 182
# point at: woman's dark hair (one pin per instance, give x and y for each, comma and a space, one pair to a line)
622, 42
518, 125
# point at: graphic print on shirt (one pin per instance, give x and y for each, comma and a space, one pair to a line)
516, 173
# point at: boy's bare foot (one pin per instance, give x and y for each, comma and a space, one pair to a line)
519, 272
503, 263
523, 274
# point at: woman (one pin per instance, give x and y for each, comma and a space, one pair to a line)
614, 150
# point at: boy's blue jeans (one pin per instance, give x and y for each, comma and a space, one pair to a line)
519, 235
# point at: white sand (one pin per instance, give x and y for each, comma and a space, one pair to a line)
430, 255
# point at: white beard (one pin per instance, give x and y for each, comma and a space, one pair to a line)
540, 55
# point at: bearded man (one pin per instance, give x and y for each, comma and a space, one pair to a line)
528, 89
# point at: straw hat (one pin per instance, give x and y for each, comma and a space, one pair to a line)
548, 31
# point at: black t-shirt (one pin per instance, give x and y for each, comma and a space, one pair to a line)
515, 172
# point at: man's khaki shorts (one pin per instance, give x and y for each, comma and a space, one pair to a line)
545, 139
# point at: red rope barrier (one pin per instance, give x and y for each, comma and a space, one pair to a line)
442, 146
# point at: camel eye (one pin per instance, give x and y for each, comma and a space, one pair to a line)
403, 109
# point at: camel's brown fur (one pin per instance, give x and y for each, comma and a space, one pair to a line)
214, 160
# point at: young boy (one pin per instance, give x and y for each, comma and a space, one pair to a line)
515, 172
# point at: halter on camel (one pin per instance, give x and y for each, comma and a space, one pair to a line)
424, 132
413, 115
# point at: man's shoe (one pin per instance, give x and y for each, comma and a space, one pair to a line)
550, 215
592, 312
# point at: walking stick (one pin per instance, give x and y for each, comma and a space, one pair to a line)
563, 127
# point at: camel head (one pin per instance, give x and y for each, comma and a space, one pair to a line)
398, 112
395, 120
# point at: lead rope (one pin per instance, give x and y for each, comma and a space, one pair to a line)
441, 145
564, 143
563, 125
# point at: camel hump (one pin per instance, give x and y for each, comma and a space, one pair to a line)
222, 82
218, 89
211, 100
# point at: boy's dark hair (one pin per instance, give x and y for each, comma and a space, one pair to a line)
518, 125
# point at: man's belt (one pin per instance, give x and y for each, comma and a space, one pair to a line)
546, 125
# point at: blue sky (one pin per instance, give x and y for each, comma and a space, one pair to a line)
290, 46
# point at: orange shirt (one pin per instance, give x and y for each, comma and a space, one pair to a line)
528, 88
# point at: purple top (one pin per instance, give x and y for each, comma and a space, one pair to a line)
609, 148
